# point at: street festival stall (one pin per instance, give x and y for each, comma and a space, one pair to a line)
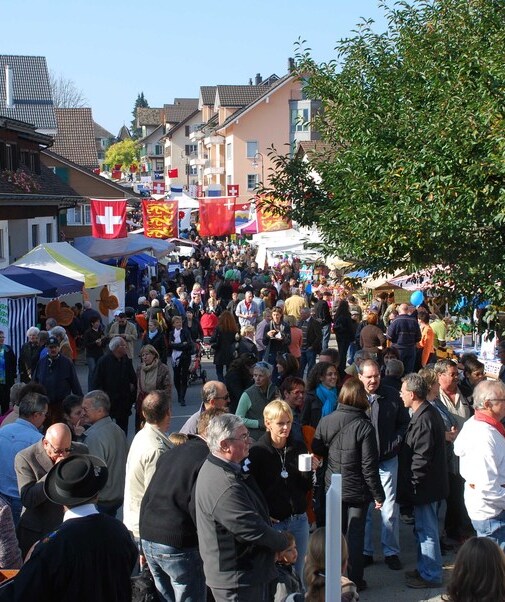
103, 285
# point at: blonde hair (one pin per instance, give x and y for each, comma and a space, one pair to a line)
275, 409
178, 438
150, 349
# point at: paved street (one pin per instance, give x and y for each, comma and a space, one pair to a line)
384, 584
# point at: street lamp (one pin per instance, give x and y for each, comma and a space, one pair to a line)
255, 165
186, 156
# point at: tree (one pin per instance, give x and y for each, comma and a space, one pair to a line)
125, 153
142, 103
413, 162
65, 93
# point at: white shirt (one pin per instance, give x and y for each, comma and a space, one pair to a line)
80, 511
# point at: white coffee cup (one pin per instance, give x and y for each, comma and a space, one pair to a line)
305, 462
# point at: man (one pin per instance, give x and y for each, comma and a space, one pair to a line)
173, 307
123, 328
404, 334
147, 446
87, 315
457, 522
330, 355
312, 336
15, 437
171, 546
439, 328
260, 332
214, 395
247, 311
237, 542
115, 375
481, 449
293, 393
323, 315
423, 479
91, 556
57, 374
29, 355
390, 420
40, 516
294, 305
107, 441
426, 349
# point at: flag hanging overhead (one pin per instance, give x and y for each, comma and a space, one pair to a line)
158, 188
232, 190
268, 221
173, 173
161, 219
242, 214
108, 218
217, 216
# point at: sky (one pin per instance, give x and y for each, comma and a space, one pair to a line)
114, 50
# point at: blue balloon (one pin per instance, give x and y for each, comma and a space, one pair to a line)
416, 298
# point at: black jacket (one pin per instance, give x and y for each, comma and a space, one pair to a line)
159, 343
237, 380
422, 474
314, 334
284, 497
223, 344
323, 314
312, 409
390, 419
346, 438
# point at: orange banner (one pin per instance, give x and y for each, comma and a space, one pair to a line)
268, 221
161, 219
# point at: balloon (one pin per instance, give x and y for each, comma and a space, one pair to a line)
416, 298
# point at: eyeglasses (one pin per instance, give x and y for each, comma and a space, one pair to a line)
227, 396
502, 400
42, 413
244, 437
58, 452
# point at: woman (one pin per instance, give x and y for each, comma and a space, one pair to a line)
344, 328
73, 416
246, 343
277, 337
347, 441
95, 343
238, 378
287, 365
8, 372
223, 341
295, 347
29, 355
193, 325
152, 374
65, 348
371, 337
479, 573
321, 395
180, 349
254, 399
156, 337
274, 464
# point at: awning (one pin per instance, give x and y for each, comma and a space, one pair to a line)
141, 260
50, 285
133, 244
10, 289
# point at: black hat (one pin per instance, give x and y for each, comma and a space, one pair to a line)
76, 480
52, 341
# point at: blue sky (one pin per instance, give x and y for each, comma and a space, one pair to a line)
169, 48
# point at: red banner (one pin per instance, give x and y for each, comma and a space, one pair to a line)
108, 218
173, 173
233, 190
161, 219
217, 216
268, 221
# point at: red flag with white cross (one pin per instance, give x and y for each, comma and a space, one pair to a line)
217, 216
232, 190
108, 218
158, 188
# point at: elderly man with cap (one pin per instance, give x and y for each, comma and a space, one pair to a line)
121, 327
91, 556
57, 373
32, 465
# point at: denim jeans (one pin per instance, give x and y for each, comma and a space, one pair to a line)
178, 573
298, 525
493, 528
390, 513
429, 557
307, 359
326, 335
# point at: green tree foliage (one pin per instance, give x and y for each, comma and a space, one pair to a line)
125, 153
141, 102
412, 165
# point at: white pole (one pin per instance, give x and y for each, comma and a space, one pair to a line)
333, 539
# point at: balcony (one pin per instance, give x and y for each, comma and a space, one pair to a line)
196, 132
213, 171
212, 140
194, 159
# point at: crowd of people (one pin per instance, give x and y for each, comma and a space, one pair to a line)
225, 509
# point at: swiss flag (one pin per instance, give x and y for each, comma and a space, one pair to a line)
158, 188
108, 218
232, 189
173, 173
217, 216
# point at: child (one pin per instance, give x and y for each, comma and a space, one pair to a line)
177, 438
288, 581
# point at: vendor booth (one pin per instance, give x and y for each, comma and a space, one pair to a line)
102, 249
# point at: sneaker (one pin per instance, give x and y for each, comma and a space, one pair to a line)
420, 583
412, 574
393, 562
367, 560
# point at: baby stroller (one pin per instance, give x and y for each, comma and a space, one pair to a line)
195, 368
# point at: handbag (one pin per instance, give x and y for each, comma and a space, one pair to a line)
143, 586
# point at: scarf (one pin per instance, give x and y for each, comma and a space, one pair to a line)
148, 376
483, 417
328, 397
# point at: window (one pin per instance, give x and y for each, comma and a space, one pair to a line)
9, 157
228, 152
186, 130
87, 215
252, 181
74, 216
49, 232
191, 170
158, 149
35, 235
252, 148
190, 149
2, 254
299, 120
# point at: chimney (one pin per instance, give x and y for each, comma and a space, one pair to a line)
250, 81
9, 88
258, 79
291, 64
